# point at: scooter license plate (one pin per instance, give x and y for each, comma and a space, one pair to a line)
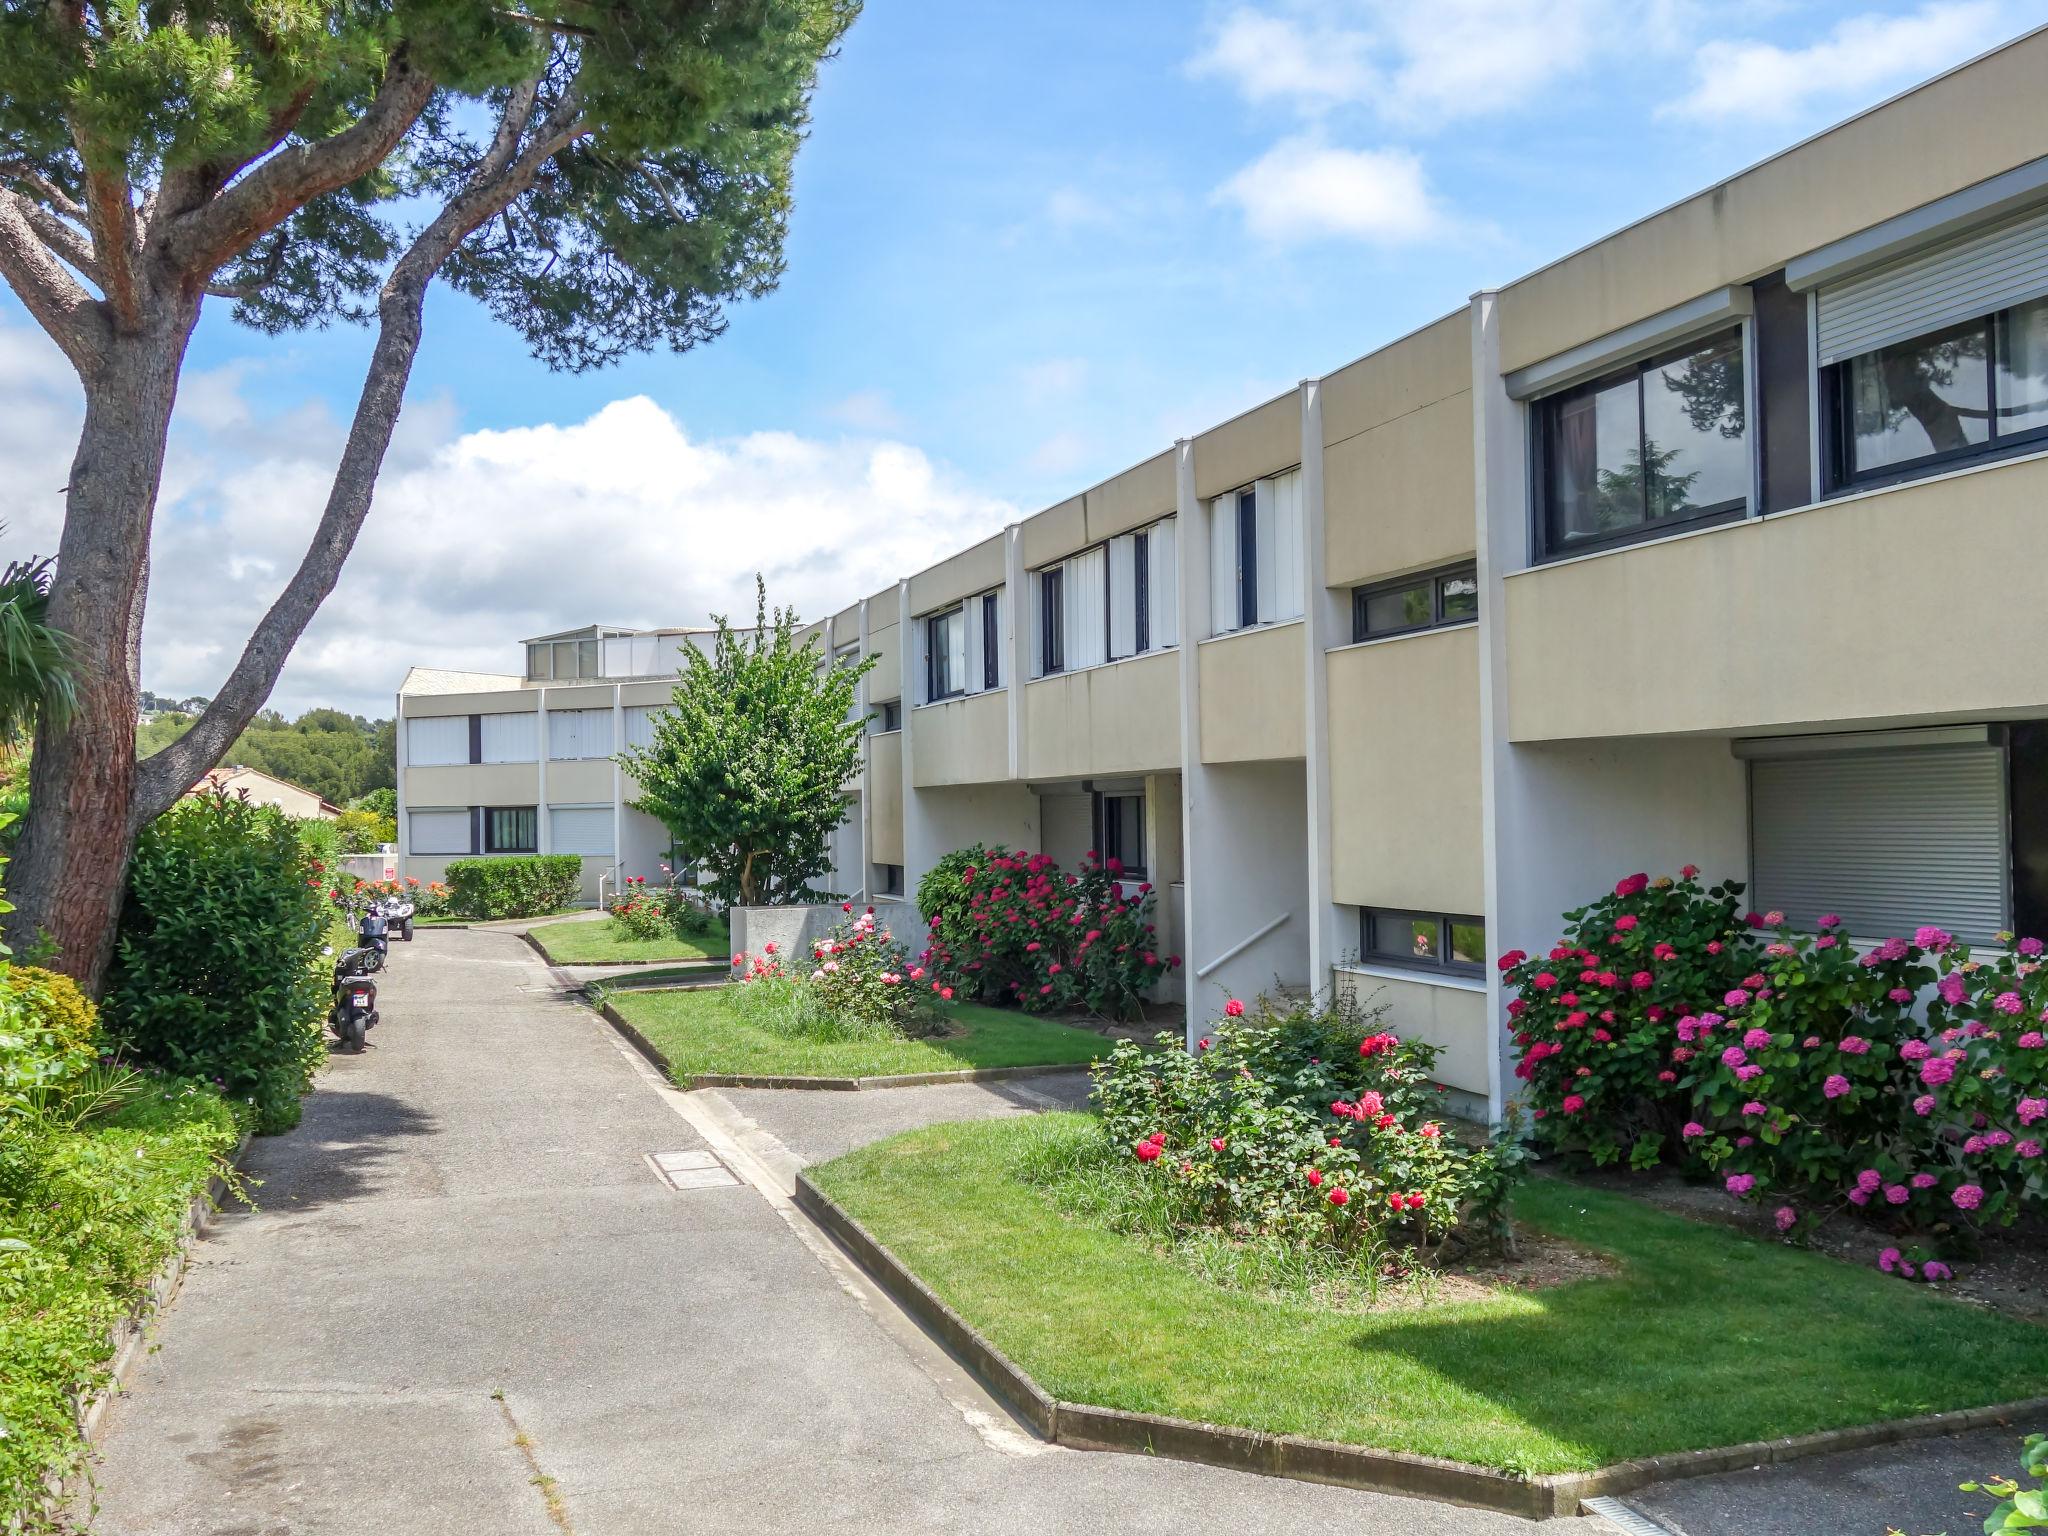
362, 999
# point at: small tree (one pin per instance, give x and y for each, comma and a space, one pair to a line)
749, 757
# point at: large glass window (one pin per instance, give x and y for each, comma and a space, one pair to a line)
1434, 941
1631, 455
946, 654
512, 829
1954, 393
1120, 834
1420, 602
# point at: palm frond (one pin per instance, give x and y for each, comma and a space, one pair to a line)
35, 659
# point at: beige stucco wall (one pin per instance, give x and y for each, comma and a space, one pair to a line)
512, 701
1056, 532
1904, 603
1453, 1019
631, 694
962, 741
972, 570
885, 812
1121, 718
1950, 134
1263, 441
846, 626
1405, 811
1142, 494
262, 789
581, 696
580, 781
1252, 695
886, 680
472, 784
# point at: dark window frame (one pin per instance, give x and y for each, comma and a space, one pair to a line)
1434, 580
935, 675
887, 716
1544, 541
991, 642
1406, 959
890, 881
490, 828
1248, 558
1113, 835
1052, 621
1838, 422
1141, 593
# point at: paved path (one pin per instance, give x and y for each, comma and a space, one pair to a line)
467, 1305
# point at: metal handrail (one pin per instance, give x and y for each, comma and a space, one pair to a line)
1241, 946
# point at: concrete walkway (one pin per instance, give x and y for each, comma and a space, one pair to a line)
467, 1304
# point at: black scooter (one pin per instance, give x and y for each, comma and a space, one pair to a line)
373, 933
355, 998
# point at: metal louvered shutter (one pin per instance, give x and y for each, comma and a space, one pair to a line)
1959, 280
584, 829
1889, 839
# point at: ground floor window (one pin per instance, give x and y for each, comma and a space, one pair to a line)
888, 879
1120, 833
511, 829
1436, 941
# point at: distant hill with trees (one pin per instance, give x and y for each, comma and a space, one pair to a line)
339, 757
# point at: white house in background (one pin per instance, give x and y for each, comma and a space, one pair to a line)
1718, 541
266, 789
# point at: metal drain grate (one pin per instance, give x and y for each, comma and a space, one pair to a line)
690, 1170
1622, 1518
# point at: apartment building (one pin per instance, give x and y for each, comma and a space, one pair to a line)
1708, 543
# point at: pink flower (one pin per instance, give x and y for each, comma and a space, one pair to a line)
1859, 1196
1932, 938
1835, 1086
2032, 1109
1741, 1183
2031, 946
1634, 885
1693, 1128
1339, 1197
946, 993
1937, 1070
1688, 871
1733, 1056
1924, 1105
2008, 1003
1233, 1009
1854, 1045
1785, 1218
1900, 994
1217, 1143
1315, 1178
1888, 1260
1923, 1181
1897, 1194
2032, 1040
1642, 981
1757, 1039
1752, 1108
1543, 981
1830, 920
1774, 919
1572, 1104
1736, 998
1952, 988
1667, 1077
1915, 1050
1967, 1196
1147, 1151
1745, 1074
1869, 1179
2028, 1149
1625, 923
1811, 1042
1934, 1269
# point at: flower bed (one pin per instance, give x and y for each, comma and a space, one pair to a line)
1905, 1081
1014, 930
643, 911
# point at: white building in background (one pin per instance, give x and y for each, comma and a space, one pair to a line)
1720, 541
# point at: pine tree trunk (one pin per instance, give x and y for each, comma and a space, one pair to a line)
67, 876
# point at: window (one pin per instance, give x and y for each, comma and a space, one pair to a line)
436, 741
1052, 621
1120, 833
945, 655
508, 738
1659, 446
888, 879
582, 829
1432, 941
1418, 602
1255, 564
1110, 602
640, 724
511, 829
572, 660
538, 668
439, 831
888, 716
991, 640
1963, 392
579, 733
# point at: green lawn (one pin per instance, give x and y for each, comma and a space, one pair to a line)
1702, 1339
601, 943
700, 1034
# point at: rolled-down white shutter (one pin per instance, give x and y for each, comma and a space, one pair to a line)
579, 733
435, 741
435, 832
584, 829
1978, 274
1163, 561
1087, 624
1123, 595
971, 674
1223, 606
640, 724
1888, 839
510, 738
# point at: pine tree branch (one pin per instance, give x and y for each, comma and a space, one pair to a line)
67, 313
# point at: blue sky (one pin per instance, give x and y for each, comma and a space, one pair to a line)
1023, 256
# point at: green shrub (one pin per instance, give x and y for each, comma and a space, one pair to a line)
643, 911
323, 843
55, 1001
218, 973
525, 885
858, 984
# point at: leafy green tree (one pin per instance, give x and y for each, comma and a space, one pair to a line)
383, 801
338, 756
749, 759
601, 176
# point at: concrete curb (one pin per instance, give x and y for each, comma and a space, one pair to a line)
130, 1336
653, 1053
1085, 1427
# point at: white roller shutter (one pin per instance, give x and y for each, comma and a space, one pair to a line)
582, 829
437, 832
1087, 627
1889, 839
1279, 549
1164, 564
970, 676
1962, 279
511, 738
579, 733
1223, 609
1123, 595
435, 741
640, 724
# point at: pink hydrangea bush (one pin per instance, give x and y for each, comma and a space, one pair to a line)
1605, 1018
1013, 929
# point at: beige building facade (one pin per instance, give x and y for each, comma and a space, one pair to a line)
1707, 544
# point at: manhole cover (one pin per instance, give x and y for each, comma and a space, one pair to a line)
690, 1170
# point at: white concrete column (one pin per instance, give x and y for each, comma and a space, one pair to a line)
398, 780
618, 776
1016, 638
917, 856
1195, 625
543, 834
867, 764
1325, 617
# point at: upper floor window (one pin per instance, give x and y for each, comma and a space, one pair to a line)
579, 733
1659, 445
1415, 602
1255, 567
1119, 599
563, 660
964, 647
1961, 392
946, 654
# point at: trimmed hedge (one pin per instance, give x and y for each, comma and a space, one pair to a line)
522, 885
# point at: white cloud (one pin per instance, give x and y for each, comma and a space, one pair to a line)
867, 410
1268, 57
1863, 55
1304, 189
478, 539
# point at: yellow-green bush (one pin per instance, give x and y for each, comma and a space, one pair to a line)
54, 1001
